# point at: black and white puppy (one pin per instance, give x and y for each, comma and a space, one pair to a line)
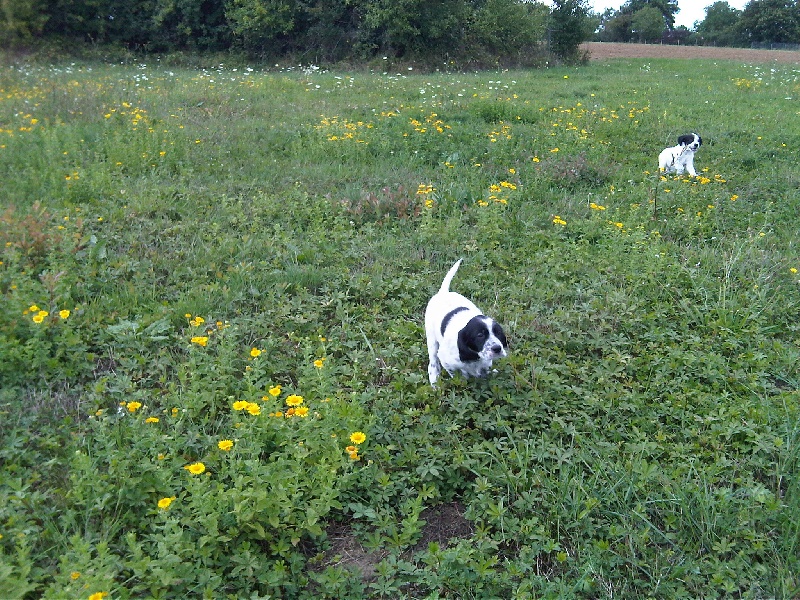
680, 158
460, 337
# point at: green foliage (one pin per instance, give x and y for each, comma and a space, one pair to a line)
648, 24
667, 8
720, 25
771, 21
20, 21
227, 267
260, 24
570, 26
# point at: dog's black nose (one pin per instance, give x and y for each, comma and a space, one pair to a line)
497, 348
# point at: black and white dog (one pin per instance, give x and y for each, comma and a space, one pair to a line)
680, 158
460, 337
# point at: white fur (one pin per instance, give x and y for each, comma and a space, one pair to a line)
443, 348
680, 158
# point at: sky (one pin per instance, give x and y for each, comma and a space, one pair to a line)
691, 10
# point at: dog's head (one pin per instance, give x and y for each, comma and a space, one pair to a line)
482, 338
691, 141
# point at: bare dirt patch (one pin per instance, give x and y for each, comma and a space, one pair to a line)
611, 50
443, 524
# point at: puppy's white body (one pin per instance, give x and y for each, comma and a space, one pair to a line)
680, 158
460, 337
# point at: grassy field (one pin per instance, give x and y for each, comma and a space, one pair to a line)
212, 361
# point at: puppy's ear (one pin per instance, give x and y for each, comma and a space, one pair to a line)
699, 140
685, 140
471, 339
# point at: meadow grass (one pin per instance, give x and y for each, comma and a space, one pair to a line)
212, 353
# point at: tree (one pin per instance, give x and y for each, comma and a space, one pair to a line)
721, 25
617, 29
259, 25
771, 21
20, 20
667, 8
198, 24
400, 27
507, 26
570, 26
648, 24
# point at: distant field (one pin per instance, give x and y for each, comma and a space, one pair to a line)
606, 50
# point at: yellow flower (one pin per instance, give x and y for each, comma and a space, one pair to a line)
33, 308
354, 456
174, 411
38, 318
294, 400
225, 445
319, 363
240, 405
197, 321
357, 437
74, 575
253, 408
301, 411
734, 198
165, 502
275, 391
151, 420
133, 406
255, 352
558, 221
350, 449
793, 271
196, 468
98, 596
64, 314
200, 340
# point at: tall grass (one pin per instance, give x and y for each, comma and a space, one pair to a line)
185, 253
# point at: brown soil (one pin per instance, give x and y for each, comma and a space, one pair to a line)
443, 524
609, 50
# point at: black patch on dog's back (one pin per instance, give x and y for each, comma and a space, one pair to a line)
449, 316
472, 338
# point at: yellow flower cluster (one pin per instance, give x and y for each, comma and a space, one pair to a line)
432, 123
202, 340
39, 315
250, 407
424, 190
337, 130
357, 438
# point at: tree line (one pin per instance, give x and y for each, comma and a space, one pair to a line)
480, 31
760, 22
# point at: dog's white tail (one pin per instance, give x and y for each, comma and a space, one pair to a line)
449, 277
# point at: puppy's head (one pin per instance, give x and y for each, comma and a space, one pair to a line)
692, 141
481, 338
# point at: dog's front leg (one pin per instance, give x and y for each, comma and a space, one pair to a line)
434, 366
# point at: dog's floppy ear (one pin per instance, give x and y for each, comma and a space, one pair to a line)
686, 139
471, 339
